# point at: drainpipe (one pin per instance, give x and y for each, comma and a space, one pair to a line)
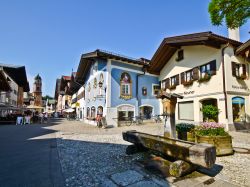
137, 80
223, 76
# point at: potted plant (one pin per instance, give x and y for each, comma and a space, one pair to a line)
185, 131
172, 87
205, 78
188, 83
215, 134
210, 112
242, 77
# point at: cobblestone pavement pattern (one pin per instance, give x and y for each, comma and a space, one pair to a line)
96, 157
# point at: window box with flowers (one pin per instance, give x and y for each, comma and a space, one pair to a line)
205, 78
215, 134
188, 83
242, 77
172, 87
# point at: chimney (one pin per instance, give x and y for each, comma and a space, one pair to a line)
234, 34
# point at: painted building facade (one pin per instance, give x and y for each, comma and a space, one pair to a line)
11, 99
205, 69
116, 87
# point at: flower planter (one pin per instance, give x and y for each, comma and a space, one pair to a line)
191, 136
223, 144
182, 135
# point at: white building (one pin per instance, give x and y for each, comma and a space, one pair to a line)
206, 69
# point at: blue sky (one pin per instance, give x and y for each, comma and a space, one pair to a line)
49, 36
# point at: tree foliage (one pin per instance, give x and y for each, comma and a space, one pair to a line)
47, 97
234, 12
210, 112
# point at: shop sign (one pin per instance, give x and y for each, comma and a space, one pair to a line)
239, 87
189, 92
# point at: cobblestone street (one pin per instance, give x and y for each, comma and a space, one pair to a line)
96, 157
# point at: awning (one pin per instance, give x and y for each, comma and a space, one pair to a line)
34, 107
69, 110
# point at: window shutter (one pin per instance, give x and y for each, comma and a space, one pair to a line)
167, 83
182, 78
213, 67
234, 69
244, 69
177, 79
196, 73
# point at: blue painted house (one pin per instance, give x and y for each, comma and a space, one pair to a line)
117, 87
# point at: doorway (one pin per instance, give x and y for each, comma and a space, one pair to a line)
212, 102
238, 106
146, 112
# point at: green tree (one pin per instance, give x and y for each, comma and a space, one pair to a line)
47, 97
234, 12
210, 112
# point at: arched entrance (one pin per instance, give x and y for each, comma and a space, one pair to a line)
125, 112
209, 101
146, 111
238, 104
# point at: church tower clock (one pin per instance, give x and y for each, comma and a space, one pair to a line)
37, 91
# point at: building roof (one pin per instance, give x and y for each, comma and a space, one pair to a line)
74, 85
67, 78
244, 50
87, 59
4, 85
18, 74
57, 89
170, 45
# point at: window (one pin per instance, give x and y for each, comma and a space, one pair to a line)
125, 86
239, 70
173, 81
89, 87
205, 69
208, 69
144, 91
156, 89
187, 77
186, 110
125, 89
180, 55
88, 112
95, 83
92, 112
95, 68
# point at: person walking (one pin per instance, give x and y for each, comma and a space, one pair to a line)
41, 118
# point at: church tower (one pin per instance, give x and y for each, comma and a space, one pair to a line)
37, 91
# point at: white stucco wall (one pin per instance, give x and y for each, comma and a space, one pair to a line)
199, 55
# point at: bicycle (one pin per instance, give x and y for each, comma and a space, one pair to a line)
157, 119
134, 120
